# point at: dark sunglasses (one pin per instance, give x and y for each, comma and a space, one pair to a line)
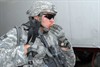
49, 16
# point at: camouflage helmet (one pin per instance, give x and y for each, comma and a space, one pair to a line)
41, 6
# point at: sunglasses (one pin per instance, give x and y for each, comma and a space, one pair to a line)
49, 16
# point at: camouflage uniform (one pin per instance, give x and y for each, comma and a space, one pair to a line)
12, 54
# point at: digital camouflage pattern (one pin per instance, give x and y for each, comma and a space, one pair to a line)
12, 54
41, 6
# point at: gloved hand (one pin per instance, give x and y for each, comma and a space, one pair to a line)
59, 33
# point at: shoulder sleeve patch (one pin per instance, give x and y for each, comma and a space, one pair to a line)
3, 37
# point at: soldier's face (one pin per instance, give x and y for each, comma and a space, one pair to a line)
47, 20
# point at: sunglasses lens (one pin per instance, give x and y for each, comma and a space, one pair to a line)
49, 16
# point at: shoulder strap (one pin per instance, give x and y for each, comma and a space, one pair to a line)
18, 30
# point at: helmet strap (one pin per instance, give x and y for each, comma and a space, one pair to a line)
40, 18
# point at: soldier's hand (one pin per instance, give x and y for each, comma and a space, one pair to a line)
26, 46
59, 33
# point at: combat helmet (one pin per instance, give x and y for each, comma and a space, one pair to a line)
41, 6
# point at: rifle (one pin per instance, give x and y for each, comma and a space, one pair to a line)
33, 27
32, 34
59, 59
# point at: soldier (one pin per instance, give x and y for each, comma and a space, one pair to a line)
41, 21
